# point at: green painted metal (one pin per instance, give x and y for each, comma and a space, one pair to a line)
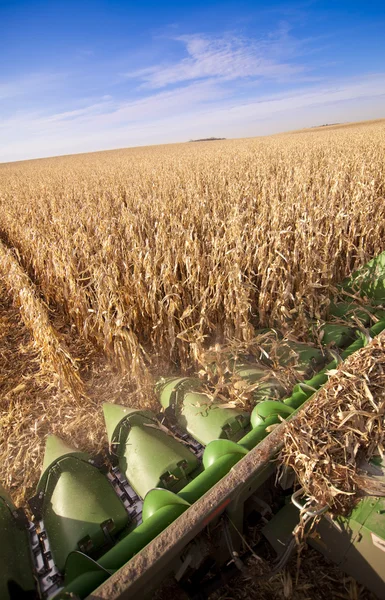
204, 481
168, 507
258, 433
55, 449
303, 391
368, 281
207, 421
83, 581
219, 448
366, 557
267, 409
334, 334
168, 388
158, 498
209, 477
268, 387
301, 357
79, 507
278, 531
85, 571
350, 311
379, 314
196, 413
357, 543
147, 455
251, 373
16, 568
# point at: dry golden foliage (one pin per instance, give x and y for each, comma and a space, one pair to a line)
317, 579
33, 406
219, 363
343, 424
36, 319
152, 252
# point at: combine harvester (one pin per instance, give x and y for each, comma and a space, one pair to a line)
176, 496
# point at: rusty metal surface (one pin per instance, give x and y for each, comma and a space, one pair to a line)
149, 567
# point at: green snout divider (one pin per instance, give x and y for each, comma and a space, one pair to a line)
302, 357
168, 507
194, 411
350, 311
368, 281
147, 455
162, 506
16, 570
164, 513
303, 391
334, 334
84, 579
267, 386
78, 505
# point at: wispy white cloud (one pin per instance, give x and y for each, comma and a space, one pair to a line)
199, 109
28, 84
228, 58
215, 88
89, 111
371, 86
107, 112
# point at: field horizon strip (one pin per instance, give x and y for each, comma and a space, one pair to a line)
151, 253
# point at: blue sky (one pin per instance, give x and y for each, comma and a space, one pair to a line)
83, 76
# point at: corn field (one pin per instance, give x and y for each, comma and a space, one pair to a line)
130, 263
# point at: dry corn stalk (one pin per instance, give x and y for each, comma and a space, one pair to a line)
343, 425
35, 317
154, 253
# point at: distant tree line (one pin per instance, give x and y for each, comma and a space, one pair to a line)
210, 139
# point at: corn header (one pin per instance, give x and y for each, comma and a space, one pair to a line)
180, 484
